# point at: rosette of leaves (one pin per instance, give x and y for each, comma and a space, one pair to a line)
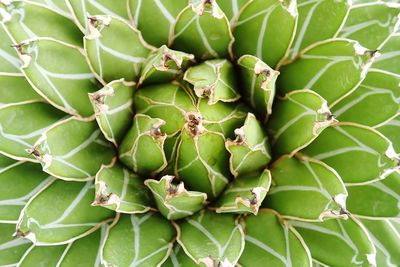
199, 133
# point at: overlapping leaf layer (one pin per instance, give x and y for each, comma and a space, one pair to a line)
199, 133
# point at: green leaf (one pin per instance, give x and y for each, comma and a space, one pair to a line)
250, 150
42, 255
60, 74
258, 84
371, 23
29, 20
265, 29
231, 8
18, 187
155, 14
358, 153
391, 130
80, 10
80, 158
114, 60
120, 190
318, 20
61, 213
271, 241
202, 160
138, 240
215, 80
346, 238
386, 239
375, 101
22, 124
59, 6
296, 120
306, 189
9, 60
178, 258
335, 63
211, 239
145, 140
113, 109
389, 60
173, 200
377, 199
164, 65
245, 194
203, 23
11, 248
15, 89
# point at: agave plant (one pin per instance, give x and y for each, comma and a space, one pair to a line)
199, 133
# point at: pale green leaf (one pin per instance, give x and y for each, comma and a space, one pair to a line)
42, 255
11, 248
391, 130
61, 213
272, 242
358, 153
173, 200
265, 29
138, 240
15, 89
113, 109
337, 242
22, 124
80, 157
113, 60
389, 60
296, 120
60, 6
178, 258
306, 189
211, 239
231, 8
9, 60
120, 190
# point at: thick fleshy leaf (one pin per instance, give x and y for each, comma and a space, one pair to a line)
297, 119
11, 248
202, 160
265, 29
306, 189
164, 65
144, 141
61, 213
203, 23
378, 199
28, 20
391, 130
155, 14
375, 101
9, 61
245, 194
22, 124
82, 8
258, 84
60, 74
215, 80
113, 109
332, 68
178, 258
389, 60
80, 157
231, 8
358, 153
20, 181
271, 241
169, 102
371, 23
250, 150
173, 200
138, 240
386, 239
120, 190
211, 239
318, 20
15, 89
82, 252
113, 60
346, 238
60, 6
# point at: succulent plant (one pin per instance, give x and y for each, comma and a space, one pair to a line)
199, 133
